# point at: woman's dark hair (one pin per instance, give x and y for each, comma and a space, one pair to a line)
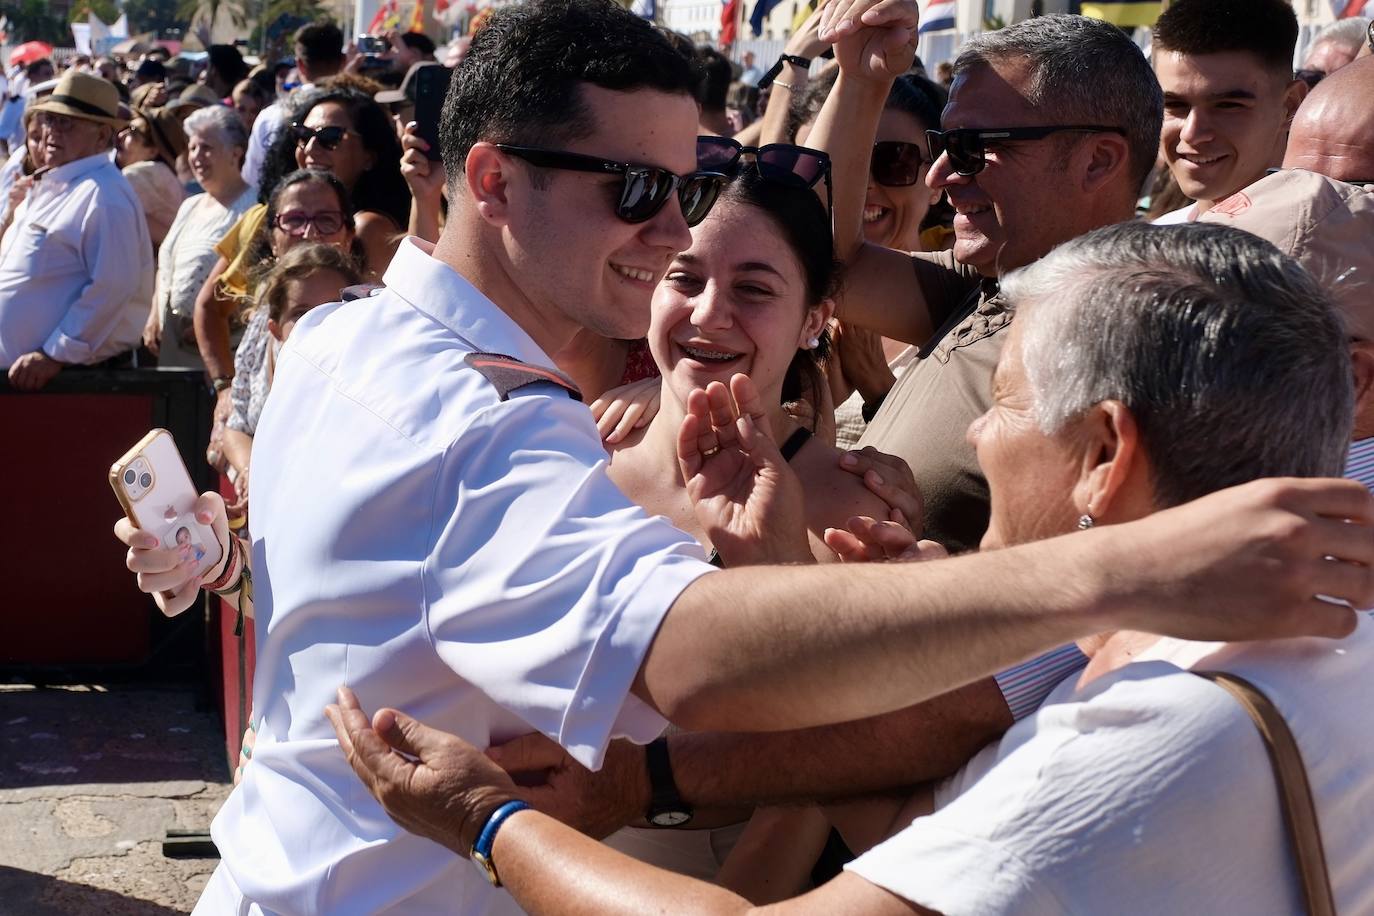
381, 189
259, 253
925, 101
802, 221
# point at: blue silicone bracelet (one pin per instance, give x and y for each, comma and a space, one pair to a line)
487, 837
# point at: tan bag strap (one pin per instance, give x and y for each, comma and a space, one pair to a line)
1295, 794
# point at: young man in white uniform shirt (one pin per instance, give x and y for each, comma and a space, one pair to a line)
76, 264
444, 539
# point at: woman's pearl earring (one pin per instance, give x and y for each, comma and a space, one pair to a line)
813, 342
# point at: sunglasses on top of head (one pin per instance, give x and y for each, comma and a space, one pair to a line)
967, 146
328, 137
783, 163
645, 188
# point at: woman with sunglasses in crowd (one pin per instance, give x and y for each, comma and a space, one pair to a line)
309, 207
900, 212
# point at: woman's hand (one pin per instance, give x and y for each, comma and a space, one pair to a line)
427, 178
867, 540
806, 41
214, 452
890, 479
432, 783
622, 410
746, 497
152, 331
162, 571
874, 39
240, 504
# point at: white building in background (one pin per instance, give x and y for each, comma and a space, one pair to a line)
699, 20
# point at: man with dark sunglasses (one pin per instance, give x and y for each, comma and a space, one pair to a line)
1031, 155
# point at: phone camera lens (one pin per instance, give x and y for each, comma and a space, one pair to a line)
146, 480
130, 477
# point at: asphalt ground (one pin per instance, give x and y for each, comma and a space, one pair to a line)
92, 776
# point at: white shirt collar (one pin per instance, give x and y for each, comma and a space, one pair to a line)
78, 168
439, 291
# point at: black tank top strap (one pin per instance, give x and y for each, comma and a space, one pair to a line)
794, 443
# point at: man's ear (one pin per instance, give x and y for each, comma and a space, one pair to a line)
486, 175
1108, 154
1362, 366
1111, 457
1292, 97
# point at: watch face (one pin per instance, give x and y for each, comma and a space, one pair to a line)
670, 818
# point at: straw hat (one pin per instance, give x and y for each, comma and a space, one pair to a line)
81, 95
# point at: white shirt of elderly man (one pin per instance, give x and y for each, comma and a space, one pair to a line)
76, 264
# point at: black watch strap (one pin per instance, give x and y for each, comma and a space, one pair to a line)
774, 70
666, 807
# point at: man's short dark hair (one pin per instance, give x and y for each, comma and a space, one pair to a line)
38, 66
520, 81
418, 41
228, 63
320, 43
716, 76
1267, 29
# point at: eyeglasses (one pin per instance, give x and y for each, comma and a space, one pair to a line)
296, 222
646, 188
967, 146
896, 164
783, 163
328, 137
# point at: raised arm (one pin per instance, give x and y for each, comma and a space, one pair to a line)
881, 291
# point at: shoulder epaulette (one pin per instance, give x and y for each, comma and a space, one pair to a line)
508, 374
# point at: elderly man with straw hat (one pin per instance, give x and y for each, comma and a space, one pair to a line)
76, 263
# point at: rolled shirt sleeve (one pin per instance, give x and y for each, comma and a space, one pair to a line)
546, 585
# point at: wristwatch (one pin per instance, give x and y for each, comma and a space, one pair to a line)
773, 71
221, 382
666, 808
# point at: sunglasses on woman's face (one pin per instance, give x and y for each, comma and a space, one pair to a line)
328, 137
296, 222
896, 164
646, 188
783, 163
967, 146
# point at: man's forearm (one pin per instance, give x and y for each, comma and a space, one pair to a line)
771, 649
923, 742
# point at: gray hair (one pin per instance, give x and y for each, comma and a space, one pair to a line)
220, 120
1230, 357
1348, 33
1082, 71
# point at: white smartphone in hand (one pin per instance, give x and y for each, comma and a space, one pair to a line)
155, 489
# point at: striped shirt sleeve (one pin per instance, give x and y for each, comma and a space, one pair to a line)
1026, 685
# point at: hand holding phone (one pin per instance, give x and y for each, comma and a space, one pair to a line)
160, 504
431, 86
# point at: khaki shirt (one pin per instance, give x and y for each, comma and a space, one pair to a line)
926, 415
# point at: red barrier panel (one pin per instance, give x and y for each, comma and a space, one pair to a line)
69, 598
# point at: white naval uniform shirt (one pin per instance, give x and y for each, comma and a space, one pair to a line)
76, 267
462, 558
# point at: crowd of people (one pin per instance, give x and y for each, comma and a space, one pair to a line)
942, 433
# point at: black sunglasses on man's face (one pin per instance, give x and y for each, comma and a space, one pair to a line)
967, 146
646, 188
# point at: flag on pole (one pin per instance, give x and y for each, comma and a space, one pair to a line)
1344, 9
803, 14
1126, 13
417, 17
387, 10
729, 14
761, 10
938, 16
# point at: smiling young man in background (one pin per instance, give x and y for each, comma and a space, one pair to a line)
1226, 68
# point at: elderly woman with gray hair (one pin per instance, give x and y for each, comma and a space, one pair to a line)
1147, 366
216, 144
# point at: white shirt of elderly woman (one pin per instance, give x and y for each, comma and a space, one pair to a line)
217, 141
